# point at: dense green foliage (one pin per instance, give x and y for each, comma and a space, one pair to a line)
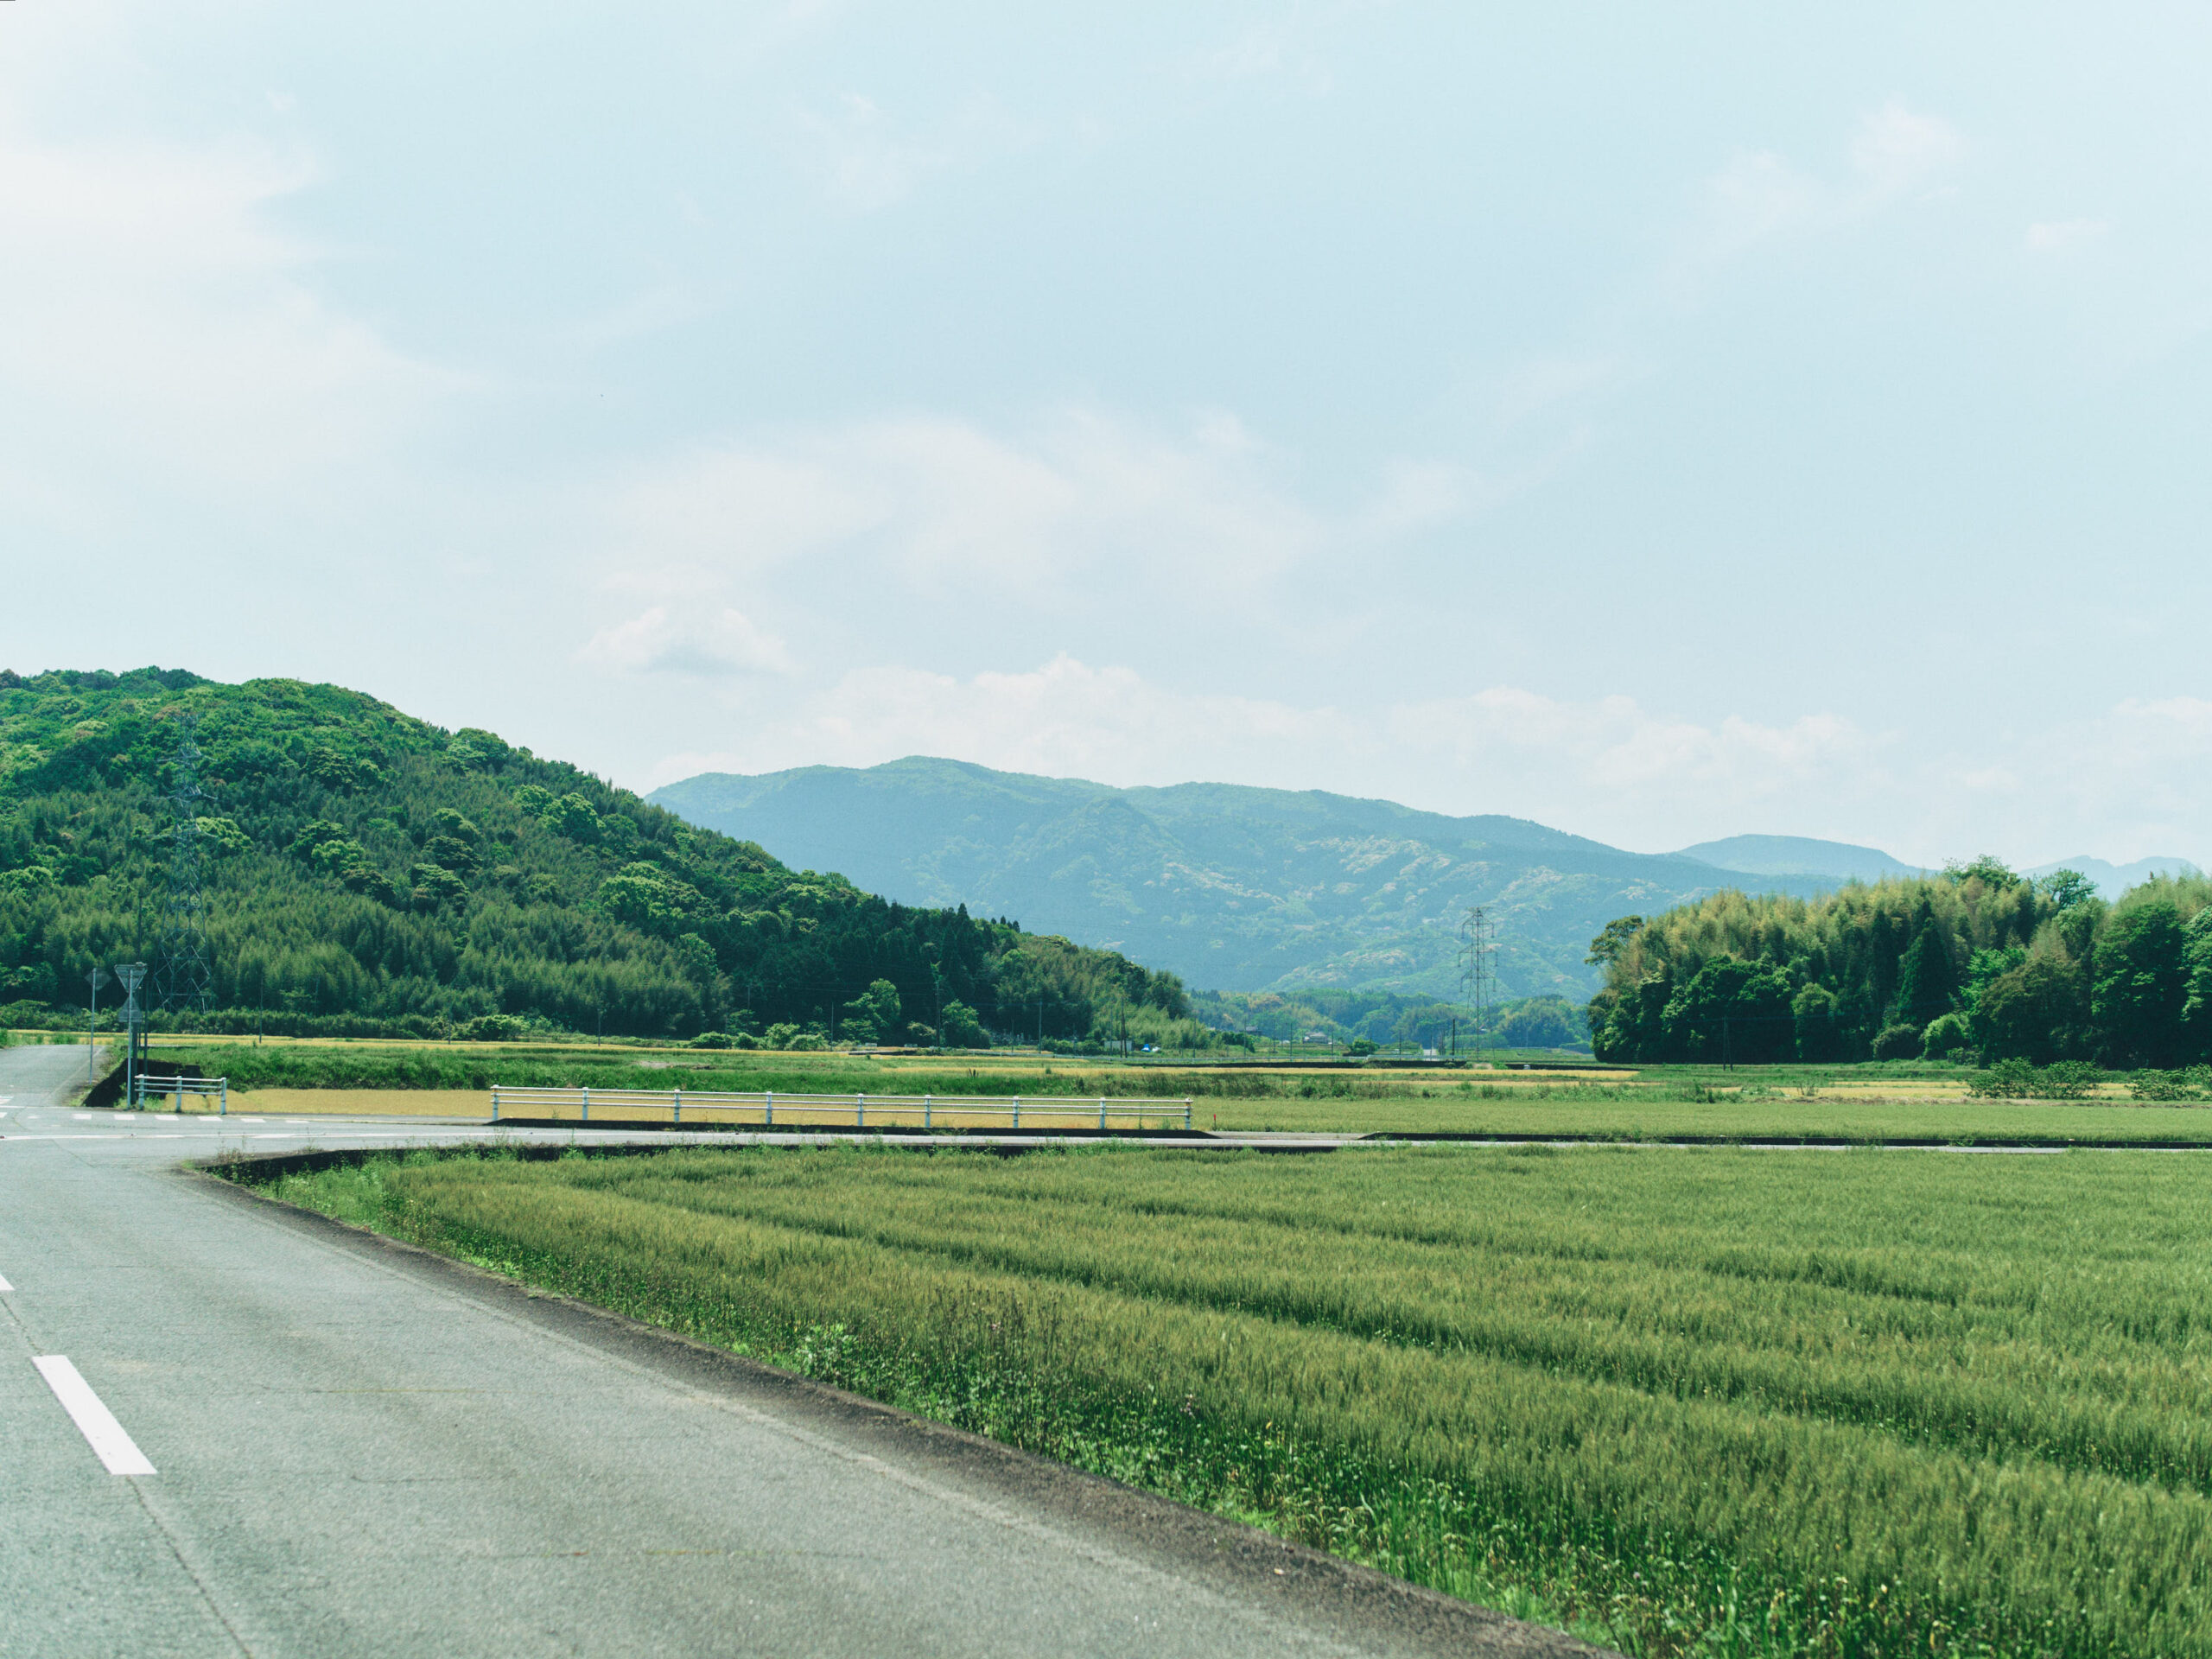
1903, 1406
366, 871
1977, 963
1389, 1021
1241, 888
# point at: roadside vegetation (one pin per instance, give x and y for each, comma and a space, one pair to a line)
1713, 1402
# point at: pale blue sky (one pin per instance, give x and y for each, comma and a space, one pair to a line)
1662, 423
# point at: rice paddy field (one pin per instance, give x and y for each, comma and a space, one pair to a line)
1710, 1402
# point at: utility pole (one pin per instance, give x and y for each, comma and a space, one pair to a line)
133, 975
97, 978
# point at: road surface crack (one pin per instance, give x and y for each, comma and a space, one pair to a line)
176, 1549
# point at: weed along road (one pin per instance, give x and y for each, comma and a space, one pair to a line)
231, 1429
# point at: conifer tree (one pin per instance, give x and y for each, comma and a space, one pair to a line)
1927, 983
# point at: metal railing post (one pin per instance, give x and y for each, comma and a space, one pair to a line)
1017, 1111
1187, 1111
770, 1099
495, 1102
680, 1105
587, 1103
925, 1113
1102, 1114
860, 1110
224, 1110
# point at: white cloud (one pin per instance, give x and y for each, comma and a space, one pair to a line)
716, 644
1759, 196
158, 321
1076, 508
2056, 236
1064, 718
650, 311
738, 511
2136, 781
1502, 749
867, 160
1282, 49
1896, 153
1651, 767
1542, 384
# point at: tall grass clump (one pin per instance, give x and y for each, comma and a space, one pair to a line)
1850, 1404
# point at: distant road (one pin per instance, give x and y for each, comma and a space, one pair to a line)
361, 1450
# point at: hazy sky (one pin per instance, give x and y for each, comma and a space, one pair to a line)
1663, 422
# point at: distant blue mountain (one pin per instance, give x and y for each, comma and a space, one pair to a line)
1841, 861
1236, 889
1798, 856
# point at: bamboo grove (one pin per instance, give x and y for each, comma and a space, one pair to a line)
1978, 962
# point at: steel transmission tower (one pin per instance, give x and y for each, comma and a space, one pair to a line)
1478, 973
185, 979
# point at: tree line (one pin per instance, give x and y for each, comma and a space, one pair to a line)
1979, 962
1392, 1020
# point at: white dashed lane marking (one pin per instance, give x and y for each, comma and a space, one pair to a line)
94, 1420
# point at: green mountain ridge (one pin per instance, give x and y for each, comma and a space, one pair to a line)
364, 869
1232, 887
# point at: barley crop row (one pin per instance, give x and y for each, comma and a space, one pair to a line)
1723, 1401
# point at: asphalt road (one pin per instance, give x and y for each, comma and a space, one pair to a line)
361, 1450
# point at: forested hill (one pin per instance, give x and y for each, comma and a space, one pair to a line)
1234, 888
1978, 959
363, 870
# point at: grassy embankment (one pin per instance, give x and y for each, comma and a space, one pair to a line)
1724, 1402
1863, 1103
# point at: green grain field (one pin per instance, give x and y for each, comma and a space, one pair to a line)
1835, 1402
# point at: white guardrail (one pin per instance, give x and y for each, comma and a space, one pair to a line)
215, 1088
800, 1111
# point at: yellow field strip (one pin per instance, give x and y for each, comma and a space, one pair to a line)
358, 1102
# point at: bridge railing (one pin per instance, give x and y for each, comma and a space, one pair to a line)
774, 1109
180, 1089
